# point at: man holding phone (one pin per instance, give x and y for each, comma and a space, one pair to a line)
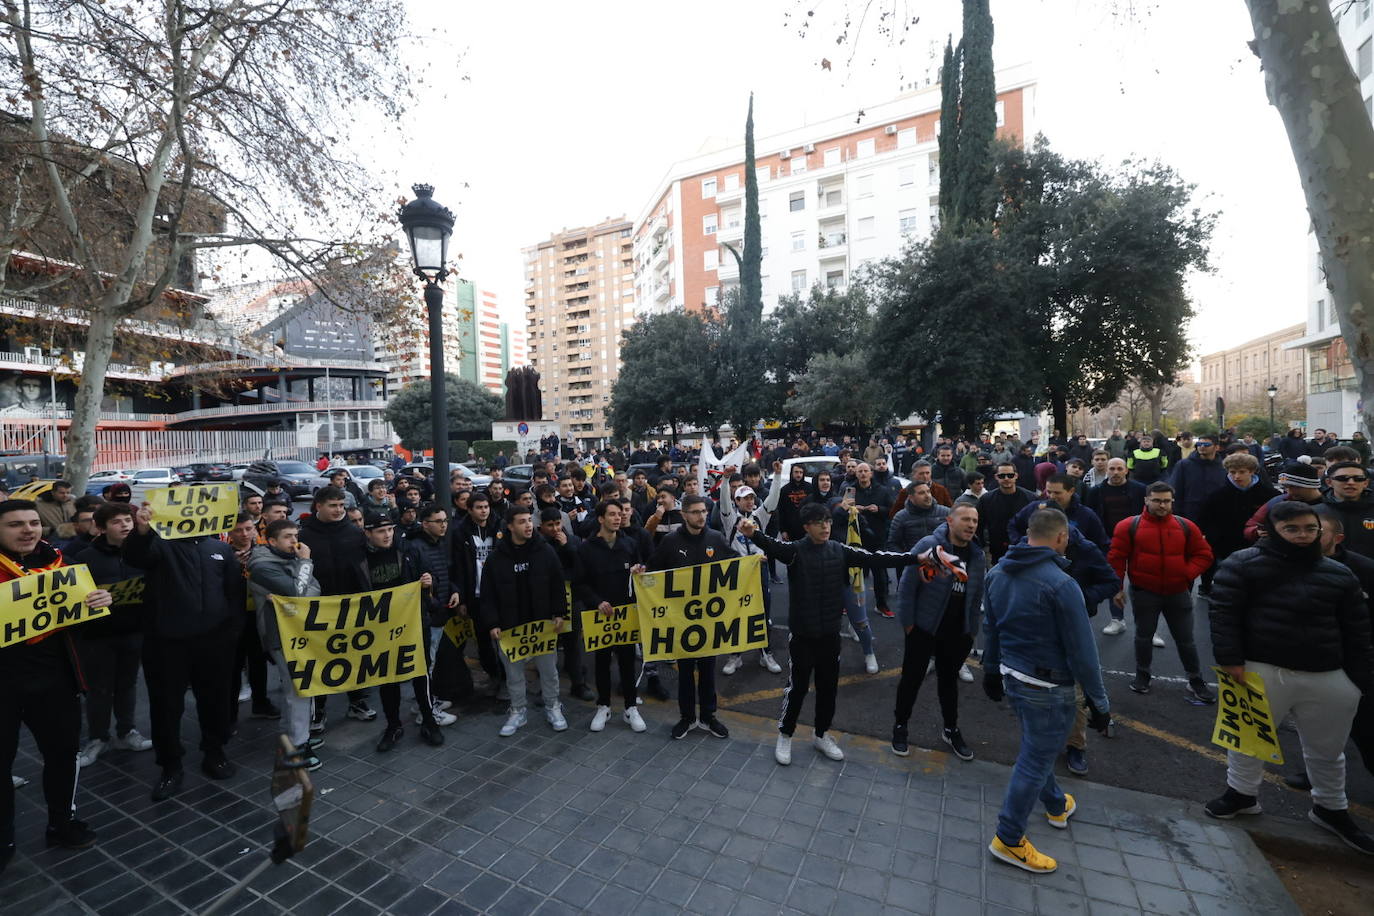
873, 500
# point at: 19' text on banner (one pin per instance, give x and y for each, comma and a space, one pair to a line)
45, 601
187, 512
1244, 724
345, 642
701, 611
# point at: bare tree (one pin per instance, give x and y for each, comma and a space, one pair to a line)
152, 131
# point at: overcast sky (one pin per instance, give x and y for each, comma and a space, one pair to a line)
571, 113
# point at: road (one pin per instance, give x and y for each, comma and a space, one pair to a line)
1162, 744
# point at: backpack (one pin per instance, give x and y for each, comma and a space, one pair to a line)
1183, 526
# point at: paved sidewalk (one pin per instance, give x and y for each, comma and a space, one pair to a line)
619, 823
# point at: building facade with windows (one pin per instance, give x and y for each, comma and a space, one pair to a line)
1333, 397
1242, 375
579, 297
833, 196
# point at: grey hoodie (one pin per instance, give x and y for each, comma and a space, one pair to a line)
272, 573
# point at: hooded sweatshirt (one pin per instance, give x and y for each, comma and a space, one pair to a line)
338, 551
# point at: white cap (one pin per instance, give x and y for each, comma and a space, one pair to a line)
744, 491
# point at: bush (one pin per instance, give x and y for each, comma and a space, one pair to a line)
458, 450
486, 449
1203, 427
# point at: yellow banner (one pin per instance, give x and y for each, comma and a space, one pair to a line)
701, 611
187, 512
538, 637
459, 630
345, 642
45, 601
1244, 724
618, 628
126, 591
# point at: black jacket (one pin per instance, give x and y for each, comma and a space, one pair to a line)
818, 574
913, 523
472, 546
194, 585
521, 584
1113, 503
1358, 518
437, 557
52, 663
1225, 513
339, 550
604, 570
1290, 609
682, 548
791, 498
108, 569
995, 511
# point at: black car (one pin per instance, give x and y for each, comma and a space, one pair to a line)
185, 473
212, 471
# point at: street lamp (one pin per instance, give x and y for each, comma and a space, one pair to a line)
1272, 390
428, 226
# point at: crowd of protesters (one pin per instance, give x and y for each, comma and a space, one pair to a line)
1014, 545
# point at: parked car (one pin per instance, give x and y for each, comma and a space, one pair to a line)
517, 478
17, 469
478, 480
99, 480
297, 477
151, 478
359, 473
185, 473
212, 471
236, 470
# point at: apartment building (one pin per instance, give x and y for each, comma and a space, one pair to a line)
832, 196
478, 345
1242, 374
579, 296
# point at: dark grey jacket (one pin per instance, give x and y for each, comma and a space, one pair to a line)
274, 573
911, 524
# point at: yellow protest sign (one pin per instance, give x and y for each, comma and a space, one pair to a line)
701, 611
1244, 724
185, 512
125, 591
345, 642
618, 628
45, 601
538, 637
459, 630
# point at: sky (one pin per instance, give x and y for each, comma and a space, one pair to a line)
540, 116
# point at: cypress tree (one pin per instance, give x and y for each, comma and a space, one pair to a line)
751, 263
949, 131
973, 199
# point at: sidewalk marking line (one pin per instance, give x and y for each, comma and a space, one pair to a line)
775, 693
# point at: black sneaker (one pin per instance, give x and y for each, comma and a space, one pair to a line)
1141, 684
361, 711
1342, 825
899, 742
168, 784
6, 854
312, 762
955, 740
1198, 689
76, 835
217, 768
431, 735
582, 692
313, 742
1232, 803
389, 739
266, 710
317, 722
682, 727
1298, 781
714, 726
654, 688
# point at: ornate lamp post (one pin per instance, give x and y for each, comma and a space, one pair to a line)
428, 226
1272, 390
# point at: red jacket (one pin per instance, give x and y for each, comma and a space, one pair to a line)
1164, 556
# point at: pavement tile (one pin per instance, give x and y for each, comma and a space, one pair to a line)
809, 897
1113, 887
1164, 900
515, 902
949, 903
1057, 901
674, 888
1155, 871
484, 891
711, 899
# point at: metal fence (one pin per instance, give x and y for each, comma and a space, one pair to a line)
117, 449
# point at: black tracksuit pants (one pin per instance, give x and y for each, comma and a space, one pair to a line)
625, 660
205, 663
251, 655
696, 688
950, 646
818, 657
53, 717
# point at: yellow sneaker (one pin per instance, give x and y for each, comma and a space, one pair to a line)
1062, 820
1025, 856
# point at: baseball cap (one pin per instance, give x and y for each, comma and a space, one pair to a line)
374, 519
743, 491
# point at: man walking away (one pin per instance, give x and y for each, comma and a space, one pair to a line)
1038, 644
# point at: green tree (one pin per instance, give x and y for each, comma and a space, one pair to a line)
949, 128
738, 379
823, 321
841, 389
470, 406
972, 170
665, 378
751, 264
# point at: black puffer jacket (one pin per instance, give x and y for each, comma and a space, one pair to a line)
1358, 517
193, 585
521, 584
1292, 609
339, 550
125, 581
913, 523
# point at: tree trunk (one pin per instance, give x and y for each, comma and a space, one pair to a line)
1309, 81
1059, 407
86, 410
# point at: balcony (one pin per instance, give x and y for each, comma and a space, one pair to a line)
658, 227
730, 233
729, 195
235, 410
659, 256
661, 292
728, 268
833, 244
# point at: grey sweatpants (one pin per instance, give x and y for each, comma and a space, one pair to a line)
295, 709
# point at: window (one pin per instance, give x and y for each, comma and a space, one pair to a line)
867, 227
906, 137
712, 295
864, 148
796, 201
1331, 313
708, 224
833, 198
834, 279
798, 164
906, 221
732, 181
934, 213
1364, 58
832, 156
1369, 106
1321, 314
1001, 113
708, 187
799, 241
906, 176
710, 260
1363, 11
798, 281
763, 173
864, 186
933, 169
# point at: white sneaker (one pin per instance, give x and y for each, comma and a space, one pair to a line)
1115, 628
131, 741
90, 752
930, 666
731, 665
440, 705
847, 629
871, 663
599, 720
965, 674
782, 751
245, 693
827, 746
440, 717
514, 723
18, 781
766, 660
554, 714
633, 719
1157, 641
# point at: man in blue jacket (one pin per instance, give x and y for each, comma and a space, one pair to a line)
1038, 644
938, 607
1197, 477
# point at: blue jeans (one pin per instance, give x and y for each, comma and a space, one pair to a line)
1046, 716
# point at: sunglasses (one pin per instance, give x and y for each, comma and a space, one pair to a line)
1349, 479
1005, 476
